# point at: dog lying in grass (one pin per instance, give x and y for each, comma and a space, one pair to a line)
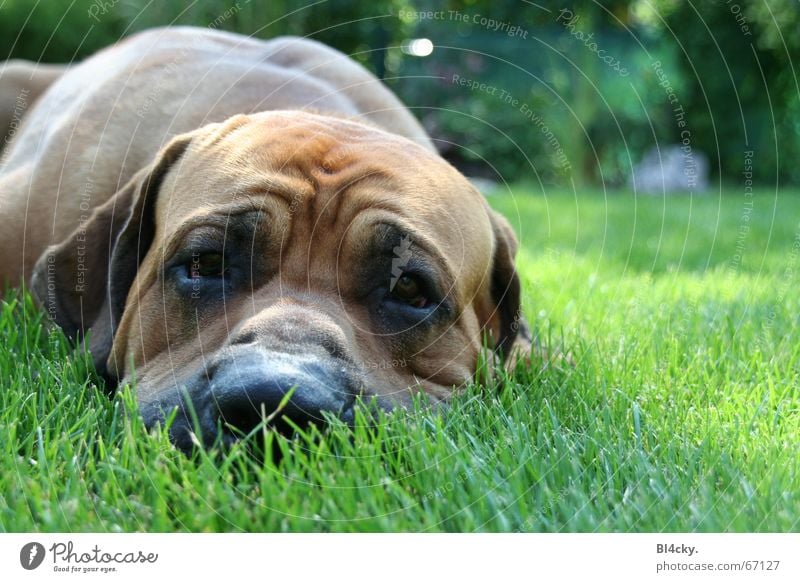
239, 225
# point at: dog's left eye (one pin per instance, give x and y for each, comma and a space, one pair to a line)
207, 265
409, 289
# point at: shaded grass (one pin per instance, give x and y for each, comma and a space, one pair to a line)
682, 411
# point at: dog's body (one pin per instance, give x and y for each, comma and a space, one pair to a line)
299, 232
111, 115
21, 85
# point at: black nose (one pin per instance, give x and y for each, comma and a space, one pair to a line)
251, 383
246, 384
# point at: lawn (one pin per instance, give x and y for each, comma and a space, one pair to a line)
681, 412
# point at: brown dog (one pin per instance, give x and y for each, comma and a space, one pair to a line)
232, 219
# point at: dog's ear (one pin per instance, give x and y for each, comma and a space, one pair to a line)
509, 330
83, 282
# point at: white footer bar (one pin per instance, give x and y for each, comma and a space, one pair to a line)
384, 557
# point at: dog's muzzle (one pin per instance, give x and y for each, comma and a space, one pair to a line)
248, 384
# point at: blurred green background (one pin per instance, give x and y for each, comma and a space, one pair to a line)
572, 93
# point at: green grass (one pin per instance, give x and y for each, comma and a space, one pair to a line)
682, 411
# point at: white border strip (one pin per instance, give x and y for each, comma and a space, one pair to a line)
407, 557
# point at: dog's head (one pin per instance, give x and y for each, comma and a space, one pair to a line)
286, 251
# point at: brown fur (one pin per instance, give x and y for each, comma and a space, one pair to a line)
99, 174
21, 85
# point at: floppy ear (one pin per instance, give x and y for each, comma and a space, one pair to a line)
511, 334
83, 282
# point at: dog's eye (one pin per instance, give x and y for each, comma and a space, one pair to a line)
409, 289
207, 265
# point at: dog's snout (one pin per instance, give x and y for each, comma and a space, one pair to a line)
295, 329
246, 389
287, 365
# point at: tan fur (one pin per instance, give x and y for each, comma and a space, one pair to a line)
21, 85
89, 160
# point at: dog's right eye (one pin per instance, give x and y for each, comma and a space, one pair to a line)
203, 275
207, 265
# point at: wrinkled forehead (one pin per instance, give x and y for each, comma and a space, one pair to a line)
326, 171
